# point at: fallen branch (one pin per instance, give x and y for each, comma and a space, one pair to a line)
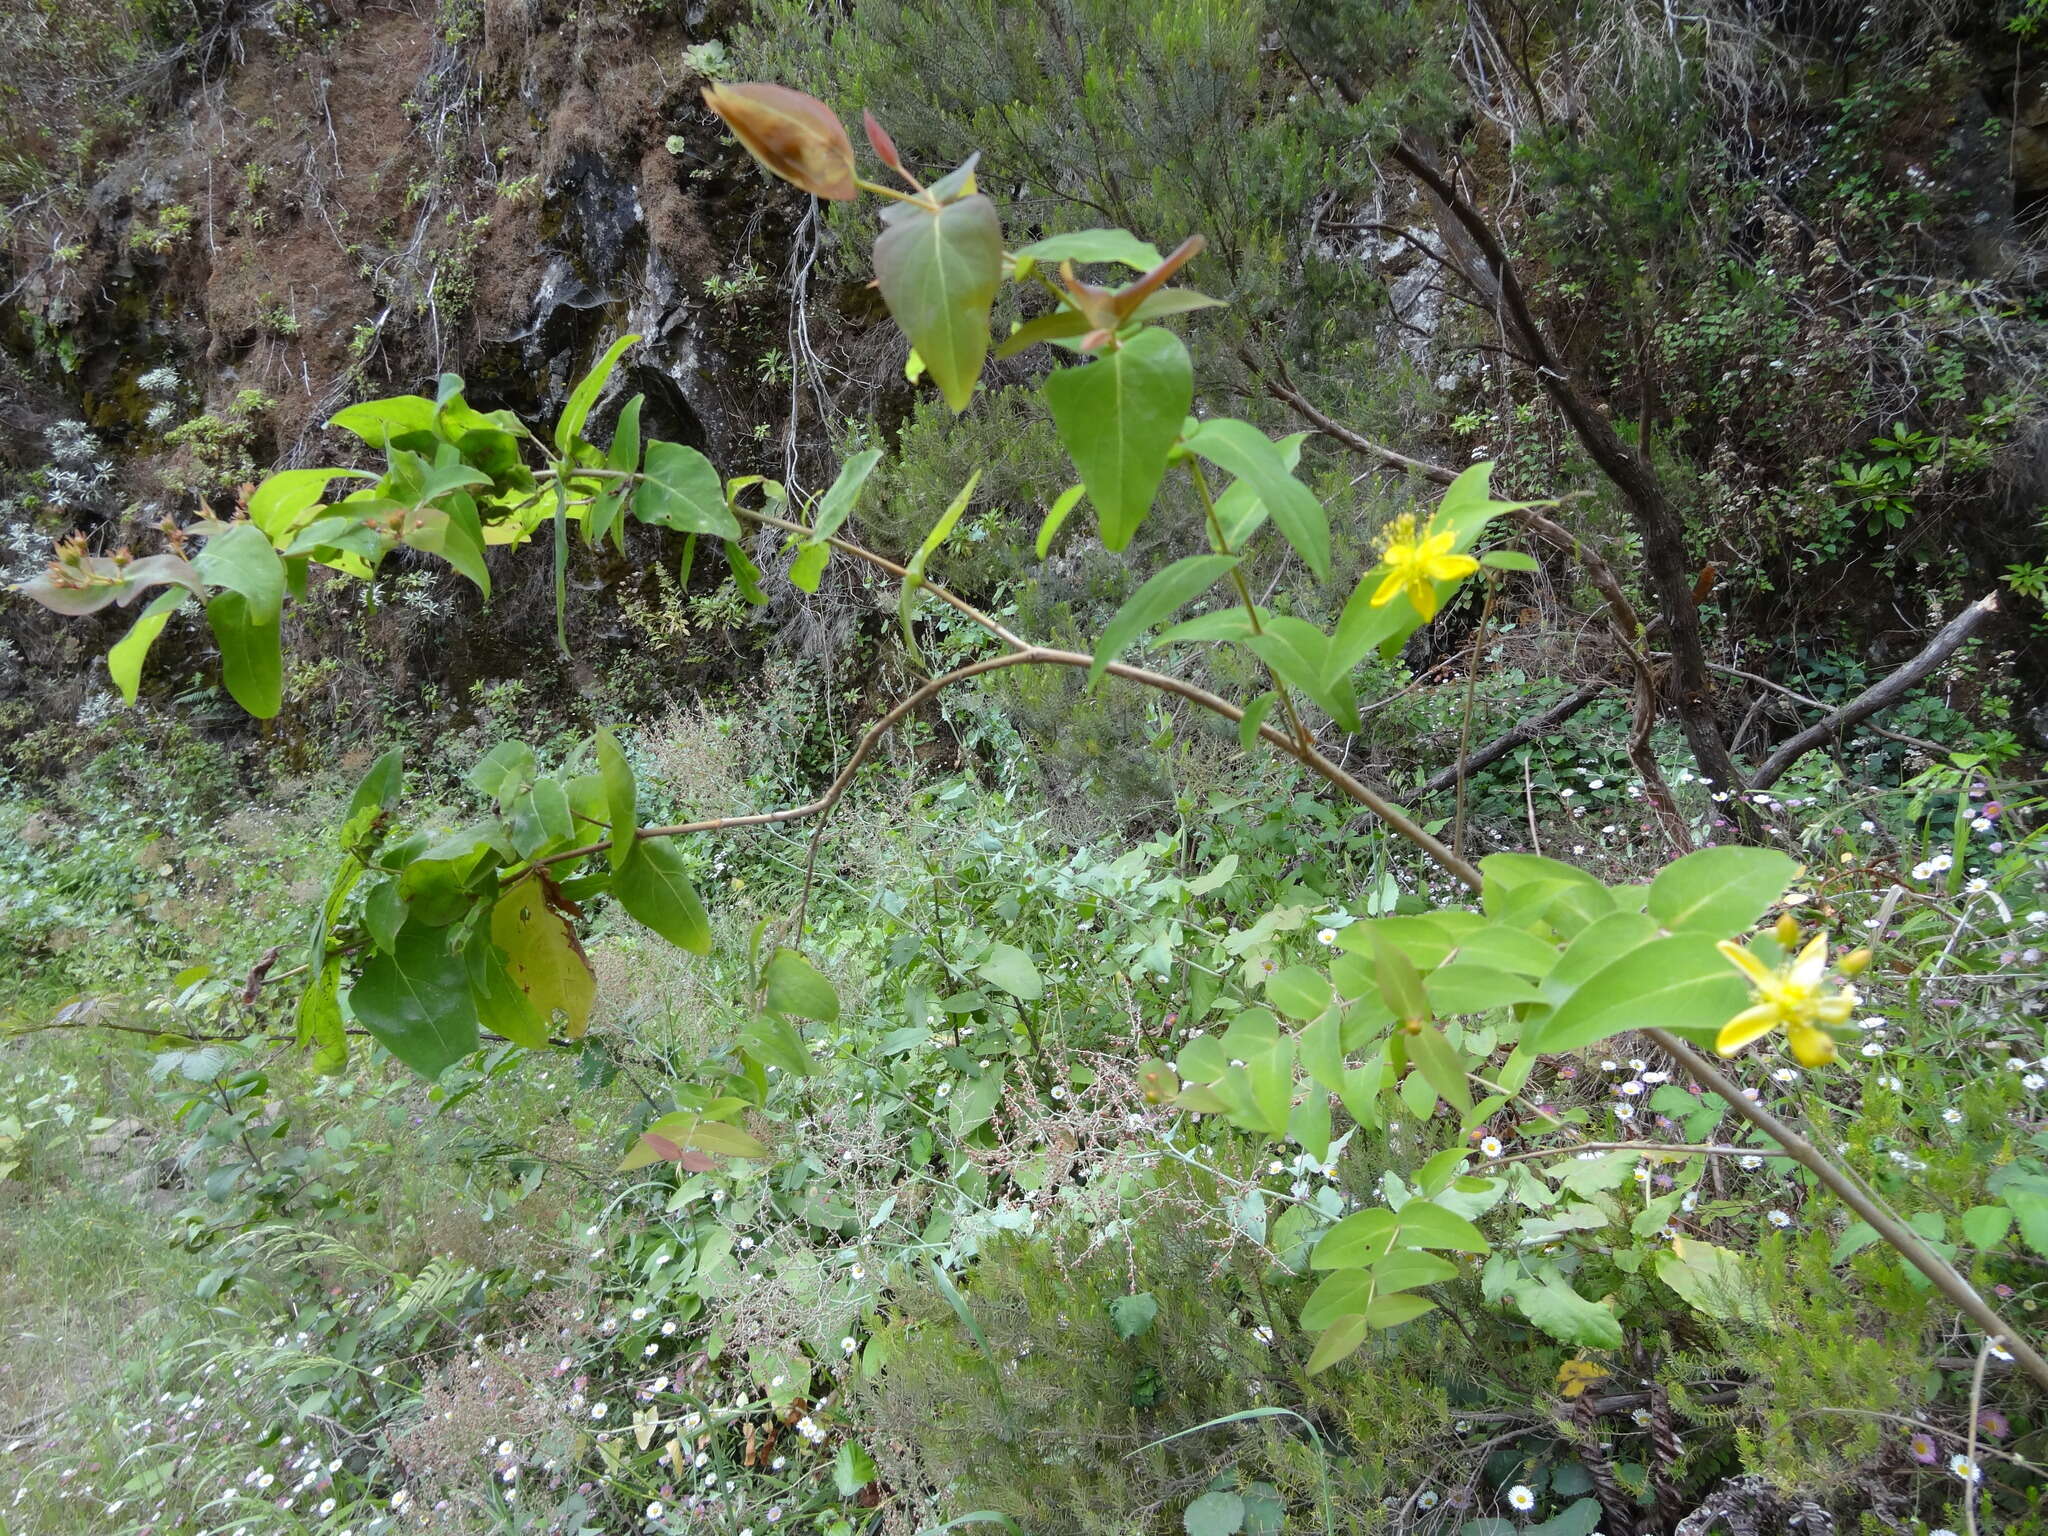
1531, 729
1282, 391
1881, 695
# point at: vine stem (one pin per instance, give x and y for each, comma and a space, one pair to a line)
1943, 1275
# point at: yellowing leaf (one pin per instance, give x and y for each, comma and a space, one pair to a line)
543, 957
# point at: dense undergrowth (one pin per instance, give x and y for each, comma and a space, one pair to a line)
987, 1241
980, 1271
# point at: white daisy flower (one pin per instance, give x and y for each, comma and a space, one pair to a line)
1521, 1498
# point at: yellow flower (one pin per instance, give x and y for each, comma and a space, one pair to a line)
1416, 562
1574, 1376
1794, 997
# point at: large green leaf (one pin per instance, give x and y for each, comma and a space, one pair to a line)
377, 422
1162, 595
1010, 968
1118, 418
773, 1042
1248, 453
320, 1021
251, 653
1567, 1316
795, 986
1239, 511
938, 273
620, 796
655, 890
682, 491
570, 425
1720, 891
125, 657
241, 559
1681, 983
416, 1001
1714, 1281
1423, 1224
285, 497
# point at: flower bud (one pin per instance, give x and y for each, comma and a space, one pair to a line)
1787, 930
793, 135
1854, 963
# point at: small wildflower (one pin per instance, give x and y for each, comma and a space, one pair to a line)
1416, 561
1921, 1447
1490, 1146
1521, 1498
1778, 1219
1961, 1466
1326, 936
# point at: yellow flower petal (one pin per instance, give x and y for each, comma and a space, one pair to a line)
1750, 1024
1388, 589
1810, 1047
1812, 963
1748, 964
1833, 1010
1423, 596
1448, 567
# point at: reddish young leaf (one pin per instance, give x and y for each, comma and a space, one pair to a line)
880, 142
793, 135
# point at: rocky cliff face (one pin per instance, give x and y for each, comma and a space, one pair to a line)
323, 204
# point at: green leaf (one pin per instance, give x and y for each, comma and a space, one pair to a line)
1132, 1315
283, 498
125, 657
251, 654
1720, 891
839, 498
1469, 987
852, 1469
795, 986
543, 957
620, 798
1163, 594
1248, 453
453, 531
1580, 1518
1357, 1241
654, 889
1254, 717
1508, 560
1118, 418
1338, 1340
772, 1041
416, 1001
1714, 1281
241, 559
682, 491
376, 422
1399, 983
1422, 1224
1438, 1061
1985, 1226
1086, 245
1010, 968
320, 1023
938, 273
913, 573
1214, 1514
1681, 983
504, 773
624, 456
585, 394
501, 1006
541, 819
1239, 511
809, 566
1056, 516
1300, 992
1567, 1316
